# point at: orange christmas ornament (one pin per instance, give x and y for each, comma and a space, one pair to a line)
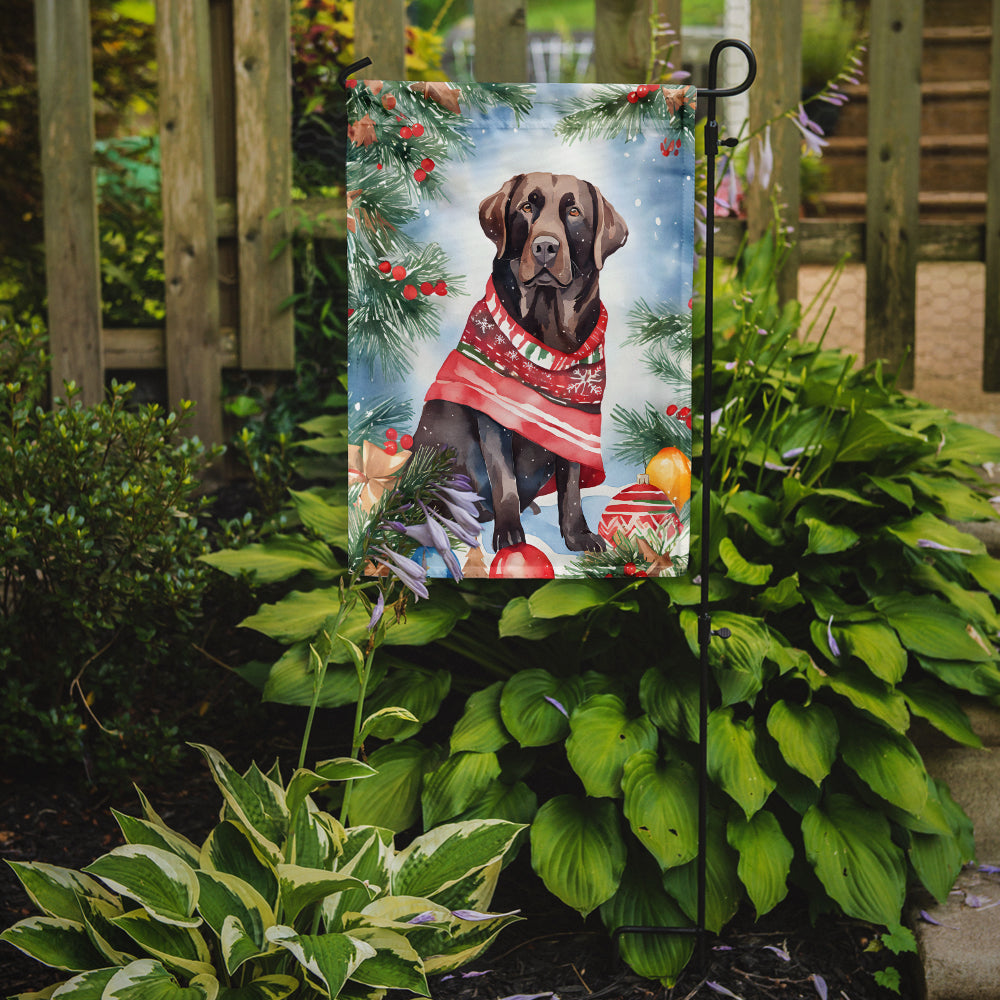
669, 470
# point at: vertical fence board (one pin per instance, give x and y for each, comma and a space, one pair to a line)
776, 35
72, 256
380, 34
621, 40
991, 333
261, 30
893, 183
190, 254
501, 41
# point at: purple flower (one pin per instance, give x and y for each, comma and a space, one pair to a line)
820, 983
427, 917
410, 573
927, 543
834, 648
719, 988
552, 701
475, 915
761, 162
377, 612
780, 952
811, 132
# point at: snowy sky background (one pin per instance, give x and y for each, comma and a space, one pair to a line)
652, 192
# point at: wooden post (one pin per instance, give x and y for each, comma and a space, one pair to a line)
190, 253
991, 334
622, 40
261, 56
380, 34
776, 35
501, 41
893, 183
72, 255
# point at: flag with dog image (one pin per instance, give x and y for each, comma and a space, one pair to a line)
520, 263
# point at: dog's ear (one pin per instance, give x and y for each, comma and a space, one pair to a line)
493, 213
610, 232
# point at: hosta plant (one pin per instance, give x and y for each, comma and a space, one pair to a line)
279, 900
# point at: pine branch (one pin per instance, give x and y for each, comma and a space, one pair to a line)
607, 112
673, 371
642, 434
372, 423
657, 323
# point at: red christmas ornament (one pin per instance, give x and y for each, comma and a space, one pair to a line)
522, 561
409, 292
640, 511
399, 272
419, 175
385, 267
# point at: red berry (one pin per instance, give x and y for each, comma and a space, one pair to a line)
378, 166
426, 287
441, 288
630, 569
690, 303
420, 176
671, 410
388, 102
406, 441
391, 448
410, 292
427, 163
350, 313
406, 132
632, 97
391, 434
418, 130
399, 272
385, 267
642, 572
351, 84
688, 423
685, 410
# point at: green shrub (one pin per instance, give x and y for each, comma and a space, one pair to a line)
99, 541
280, 899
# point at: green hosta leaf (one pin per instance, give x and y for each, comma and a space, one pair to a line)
386, 723
578, 851
602, 738
732, 760
965, 443
957, 501
442, 857
516, 620
928, 528
180, 948
888, 763
973, 604
671, 700
56, 891
260, 809
783, 595
931, 628
866, 692
758, 511
986, 572
515, 803
976, 678
225, 897
325, 519
301, 887
275, 987
304, 782
893, 488
418, 691
765, 858
481, 728
560, 598
941, 709
528, 714
141, 831
330, 959
870, 436
738, 661
391, 798
456, 784
723, 889
827, 539
807, 736
641, 901
230, 849
159, 881
752, 574
661, 798
147, 979
876, 646
54, 941
292, 680
937, 859
850, 847
395, 965
279, 558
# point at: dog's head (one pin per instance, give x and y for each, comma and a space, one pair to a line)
553, 228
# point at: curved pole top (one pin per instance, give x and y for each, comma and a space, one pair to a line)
713, 69
352, 69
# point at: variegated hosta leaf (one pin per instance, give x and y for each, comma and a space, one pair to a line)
300, 887
888, 763
642, 902
732, 760
467, 941
86, 986
395, 964
456, 784
224, 898
661, 800
304, 782
315, 839
56, 891
476, 890
141, 831
54, 941
578, 851
367, 853
441, 857
807, 736
158, 880
256, 801
328, 959
602, 737
230, 849
149, 980
274, 987
765, 858
481, 727
535, 706
116, 946
177, 947
850, 847
417, 690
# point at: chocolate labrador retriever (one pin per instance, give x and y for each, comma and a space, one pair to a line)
518, 401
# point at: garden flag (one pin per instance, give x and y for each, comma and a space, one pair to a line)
520, 266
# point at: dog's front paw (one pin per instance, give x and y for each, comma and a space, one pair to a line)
505, 536
584, 541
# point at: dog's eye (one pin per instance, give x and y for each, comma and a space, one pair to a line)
525, 207
575, 212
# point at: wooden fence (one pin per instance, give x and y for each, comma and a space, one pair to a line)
226, 160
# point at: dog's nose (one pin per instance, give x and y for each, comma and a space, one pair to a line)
544, 249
